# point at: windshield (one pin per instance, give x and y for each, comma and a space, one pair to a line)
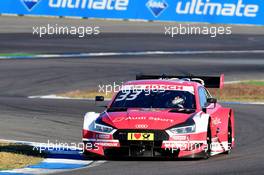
154, 99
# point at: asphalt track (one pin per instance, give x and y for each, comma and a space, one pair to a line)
61, 120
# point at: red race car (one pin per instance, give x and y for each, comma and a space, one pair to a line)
161, 116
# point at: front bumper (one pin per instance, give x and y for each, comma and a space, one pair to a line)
117, 145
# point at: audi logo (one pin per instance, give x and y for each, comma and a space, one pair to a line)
142, 126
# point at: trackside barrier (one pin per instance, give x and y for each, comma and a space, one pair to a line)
210, 11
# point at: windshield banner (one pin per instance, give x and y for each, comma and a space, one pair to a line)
157, 87
210, 11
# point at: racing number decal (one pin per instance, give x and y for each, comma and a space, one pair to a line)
141, 136
122, 96
128, 96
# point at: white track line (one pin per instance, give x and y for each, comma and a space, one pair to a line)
53, 96
56, 97
140, 53
69, 161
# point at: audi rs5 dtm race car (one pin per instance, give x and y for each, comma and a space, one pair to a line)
161, 116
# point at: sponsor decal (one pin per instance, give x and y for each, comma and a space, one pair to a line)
103, 136
161, 119
156, 7
209, 8
30, 4
215, 139
107, 144
120, 119
157, 87
180, 138
140, 136
216, 121
118, 5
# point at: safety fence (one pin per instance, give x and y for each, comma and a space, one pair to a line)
209, 11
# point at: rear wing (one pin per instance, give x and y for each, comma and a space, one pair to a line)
206, 81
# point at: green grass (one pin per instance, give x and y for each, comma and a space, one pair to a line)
255, 82
14, 54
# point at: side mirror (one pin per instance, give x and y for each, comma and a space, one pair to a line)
99, 98
211, 100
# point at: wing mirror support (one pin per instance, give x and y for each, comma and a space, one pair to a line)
212, 100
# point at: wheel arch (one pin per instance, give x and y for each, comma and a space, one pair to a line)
232, 119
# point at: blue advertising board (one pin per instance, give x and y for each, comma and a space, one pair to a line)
210, 11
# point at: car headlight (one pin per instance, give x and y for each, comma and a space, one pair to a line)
183, 130
101, 128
